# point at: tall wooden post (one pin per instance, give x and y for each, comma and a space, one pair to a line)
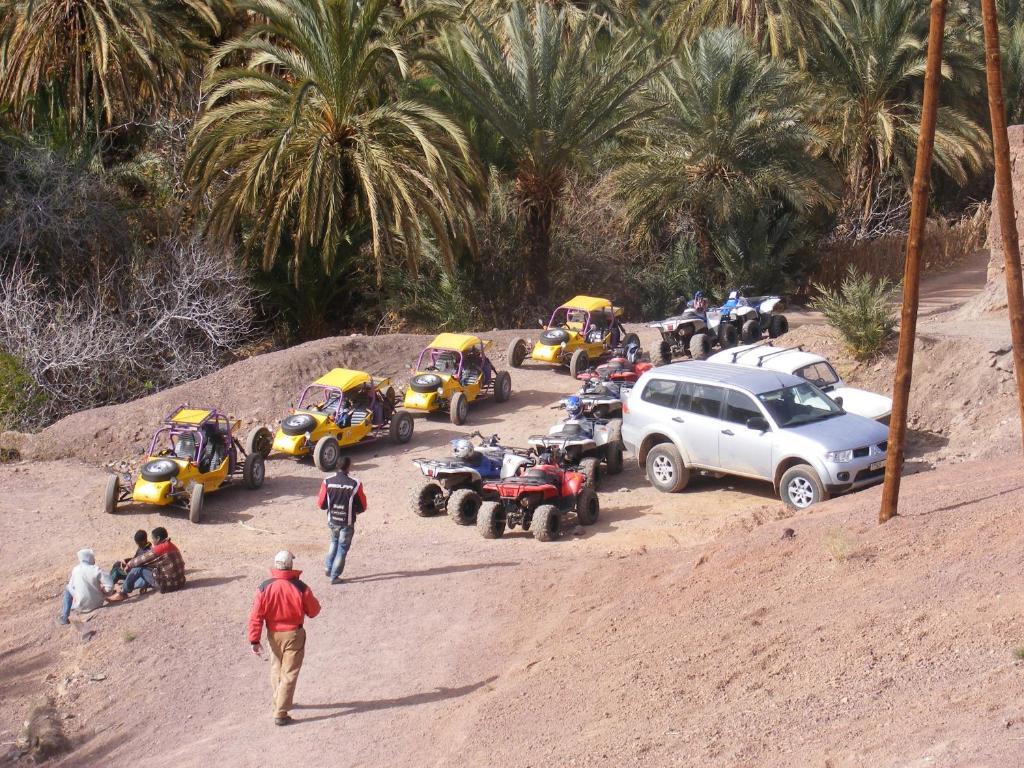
1004, 195
912, 270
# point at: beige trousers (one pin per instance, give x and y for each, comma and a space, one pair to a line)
286, 651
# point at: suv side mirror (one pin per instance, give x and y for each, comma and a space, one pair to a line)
759, 423
838, 400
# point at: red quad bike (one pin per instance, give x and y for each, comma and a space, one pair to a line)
538, 500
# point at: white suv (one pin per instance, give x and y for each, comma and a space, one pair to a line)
750, 422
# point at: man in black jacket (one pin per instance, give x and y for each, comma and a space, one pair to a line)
342, 497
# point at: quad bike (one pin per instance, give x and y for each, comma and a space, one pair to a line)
453, 372
194, 452
538, 500
693, 333
338, 410
456, 484
602, 398
584, 442
582, 330
754, 316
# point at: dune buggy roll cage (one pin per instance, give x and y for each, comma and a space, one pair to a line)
173, 430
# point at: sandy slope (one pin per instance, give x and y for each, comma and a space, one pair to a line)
678, 631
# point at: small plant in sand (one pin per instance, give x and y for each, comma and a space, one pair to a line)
1018, 653
838, 545
862, 310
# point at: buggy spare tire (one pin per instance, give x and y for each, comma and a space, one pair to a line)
298, 424
553, 337
159, 470
425, 382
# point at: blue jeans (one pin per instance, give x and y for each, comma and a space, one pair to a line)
341, 540
65, 607
138, 577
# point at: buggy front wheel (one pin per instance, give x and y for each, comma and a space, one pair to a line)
502, 387
458, 409
254, 471
111, 493
195, 503
401, 427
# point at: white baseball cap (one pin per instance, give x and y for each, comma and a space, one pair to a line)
283, 559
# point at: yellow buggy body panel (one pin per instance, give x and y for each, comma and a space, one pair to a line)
458, 342
161, 492
344, 379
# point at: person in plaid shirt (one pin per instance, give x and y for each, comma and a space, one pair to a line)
162, 567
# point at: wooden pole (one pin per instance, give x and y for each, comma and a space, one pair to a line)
1004, 195
912, 269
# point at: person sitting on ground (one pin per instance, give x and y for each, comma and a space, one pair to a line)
85, 590
142, 546
162, 567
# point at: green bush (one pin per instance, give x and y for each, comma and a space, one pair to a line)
20, 399
862, 310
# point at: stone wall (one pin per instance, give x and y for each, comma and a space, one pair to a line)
996, 263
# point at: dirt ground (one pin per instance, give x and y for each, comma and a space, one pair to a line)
685, 630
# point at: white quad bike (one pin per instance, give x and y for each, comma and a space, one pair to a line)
755, 316
692, 334
456, 486
586, 443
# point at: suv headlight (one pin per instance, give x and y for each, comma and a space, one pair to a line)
840, 457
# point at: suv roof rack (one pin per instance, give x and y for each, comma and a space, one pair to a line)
736, 354
798, 347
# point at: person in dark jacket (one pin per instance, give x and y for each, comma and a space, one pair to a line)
343, 498
282, 602
142, 546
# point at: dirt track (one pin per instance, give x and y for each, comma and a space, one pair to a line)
677, 631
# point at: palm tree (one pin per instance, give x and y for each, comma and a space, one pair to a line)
732, 138
306, 123
91, 62
1011, 30
869, 60
780, 26
552, 94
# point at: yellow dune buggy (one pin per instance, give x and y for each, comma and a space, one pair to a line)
452, 372
579, 333
339, 409
194, 452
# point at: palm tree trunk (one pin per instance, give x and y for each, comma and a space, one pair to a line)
538, 216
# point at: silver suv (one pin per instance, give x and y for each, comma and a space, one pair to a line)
745, 421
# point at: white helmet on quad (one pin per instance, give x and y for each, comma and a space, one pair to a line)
462, 448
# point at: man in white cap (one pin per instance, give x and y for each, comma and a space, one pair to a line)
85, 590
282, 602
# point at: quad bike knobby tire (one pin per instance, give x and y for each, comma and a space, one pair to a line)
254, 471
778, 325
195, 503
547, 523
259, 441
458, 409
578, 363
700, 346
590, 467
516, 353
326, 454
401, 427
463, 506
490, 520
502, 387
588, 508
750, 332
110, 494
613, 458
728, 336
664, 353
428, 500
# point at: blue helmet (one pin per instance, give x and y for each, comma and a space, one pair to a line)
574, 406
698, 295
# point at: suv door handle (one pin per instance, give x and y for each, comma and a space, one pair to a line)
678, 419
727, 432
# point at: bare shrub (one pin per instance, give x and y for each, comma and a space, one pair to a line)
178, 312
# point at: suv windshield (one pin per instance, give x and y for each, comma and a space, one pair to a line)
800, 404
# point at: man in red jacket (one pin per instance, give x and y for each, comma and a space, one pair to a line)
282, 603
